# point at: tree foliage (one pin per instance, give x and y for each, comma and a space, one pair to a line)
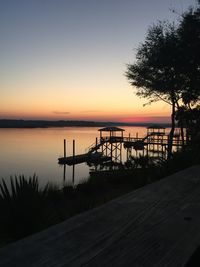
155, 73
189, 41
167, 65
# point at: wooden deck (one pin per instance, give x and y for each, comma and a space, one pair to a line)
72, 160
157, 225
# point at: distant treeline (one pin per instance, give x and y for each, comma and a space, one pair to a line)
4, 123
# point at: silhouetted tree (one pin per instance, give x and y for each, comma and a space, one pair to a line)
168, 66
189, 44
156, 71
189, 41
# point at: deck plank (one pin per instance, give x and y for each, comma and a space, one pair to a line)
157, 225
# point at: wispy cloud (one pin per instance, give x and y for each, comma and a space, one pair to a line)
90, 111
61, 112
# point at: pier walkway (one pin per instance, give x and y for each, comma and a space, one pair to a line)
109, 144
157, 225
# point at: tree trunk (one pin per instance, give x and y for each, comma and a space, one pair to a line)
171, 134
181, 123
182, 134
182, 129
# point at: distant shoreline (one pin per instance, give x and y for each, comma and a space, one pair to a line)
7, 123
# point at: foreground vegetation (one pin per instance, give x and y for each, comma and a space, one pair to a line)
26, 208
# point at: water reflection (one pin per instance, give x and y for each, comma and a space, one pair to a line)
29, 151
73, 173
65, 173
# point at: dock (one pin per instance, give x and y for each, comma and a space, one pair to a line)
157, 225
111, 141
73, 159
87, 157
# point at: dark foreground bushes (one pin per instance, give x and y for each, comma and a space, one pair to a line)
26, 208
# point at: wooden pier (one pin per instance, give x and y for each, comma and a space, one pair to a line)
88, 157
112, 141
73, 159
157, 225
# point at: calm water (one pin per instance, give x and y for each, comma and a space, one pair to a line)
29, 151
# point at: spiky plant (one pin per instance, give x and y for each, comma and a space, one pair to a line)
18, 186
24, 207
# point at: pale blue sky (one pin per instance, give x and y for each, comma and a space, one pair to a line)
69, 56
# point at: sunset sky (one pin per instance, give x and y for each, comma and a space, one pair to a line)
66, 59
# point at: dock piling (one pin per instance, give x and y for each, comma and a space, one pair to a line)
73, 148
64, 148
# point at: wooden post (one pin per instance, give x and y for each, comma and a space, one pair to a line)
64, 148
111, 152
100, 135
96, 143
73, 148
73, 168
136, 135
121, 152
147, 150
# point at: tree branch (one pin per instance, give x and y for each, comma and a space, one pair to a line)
161, 98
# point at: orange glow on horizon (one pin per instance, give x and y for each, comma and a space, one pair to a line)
128, 112
87, 117
156, 119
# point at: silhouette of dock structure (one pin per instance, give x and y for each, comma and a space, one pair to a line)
108, 147
87, 157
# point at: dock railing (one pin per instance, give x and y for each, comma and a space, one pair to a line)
150, 139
